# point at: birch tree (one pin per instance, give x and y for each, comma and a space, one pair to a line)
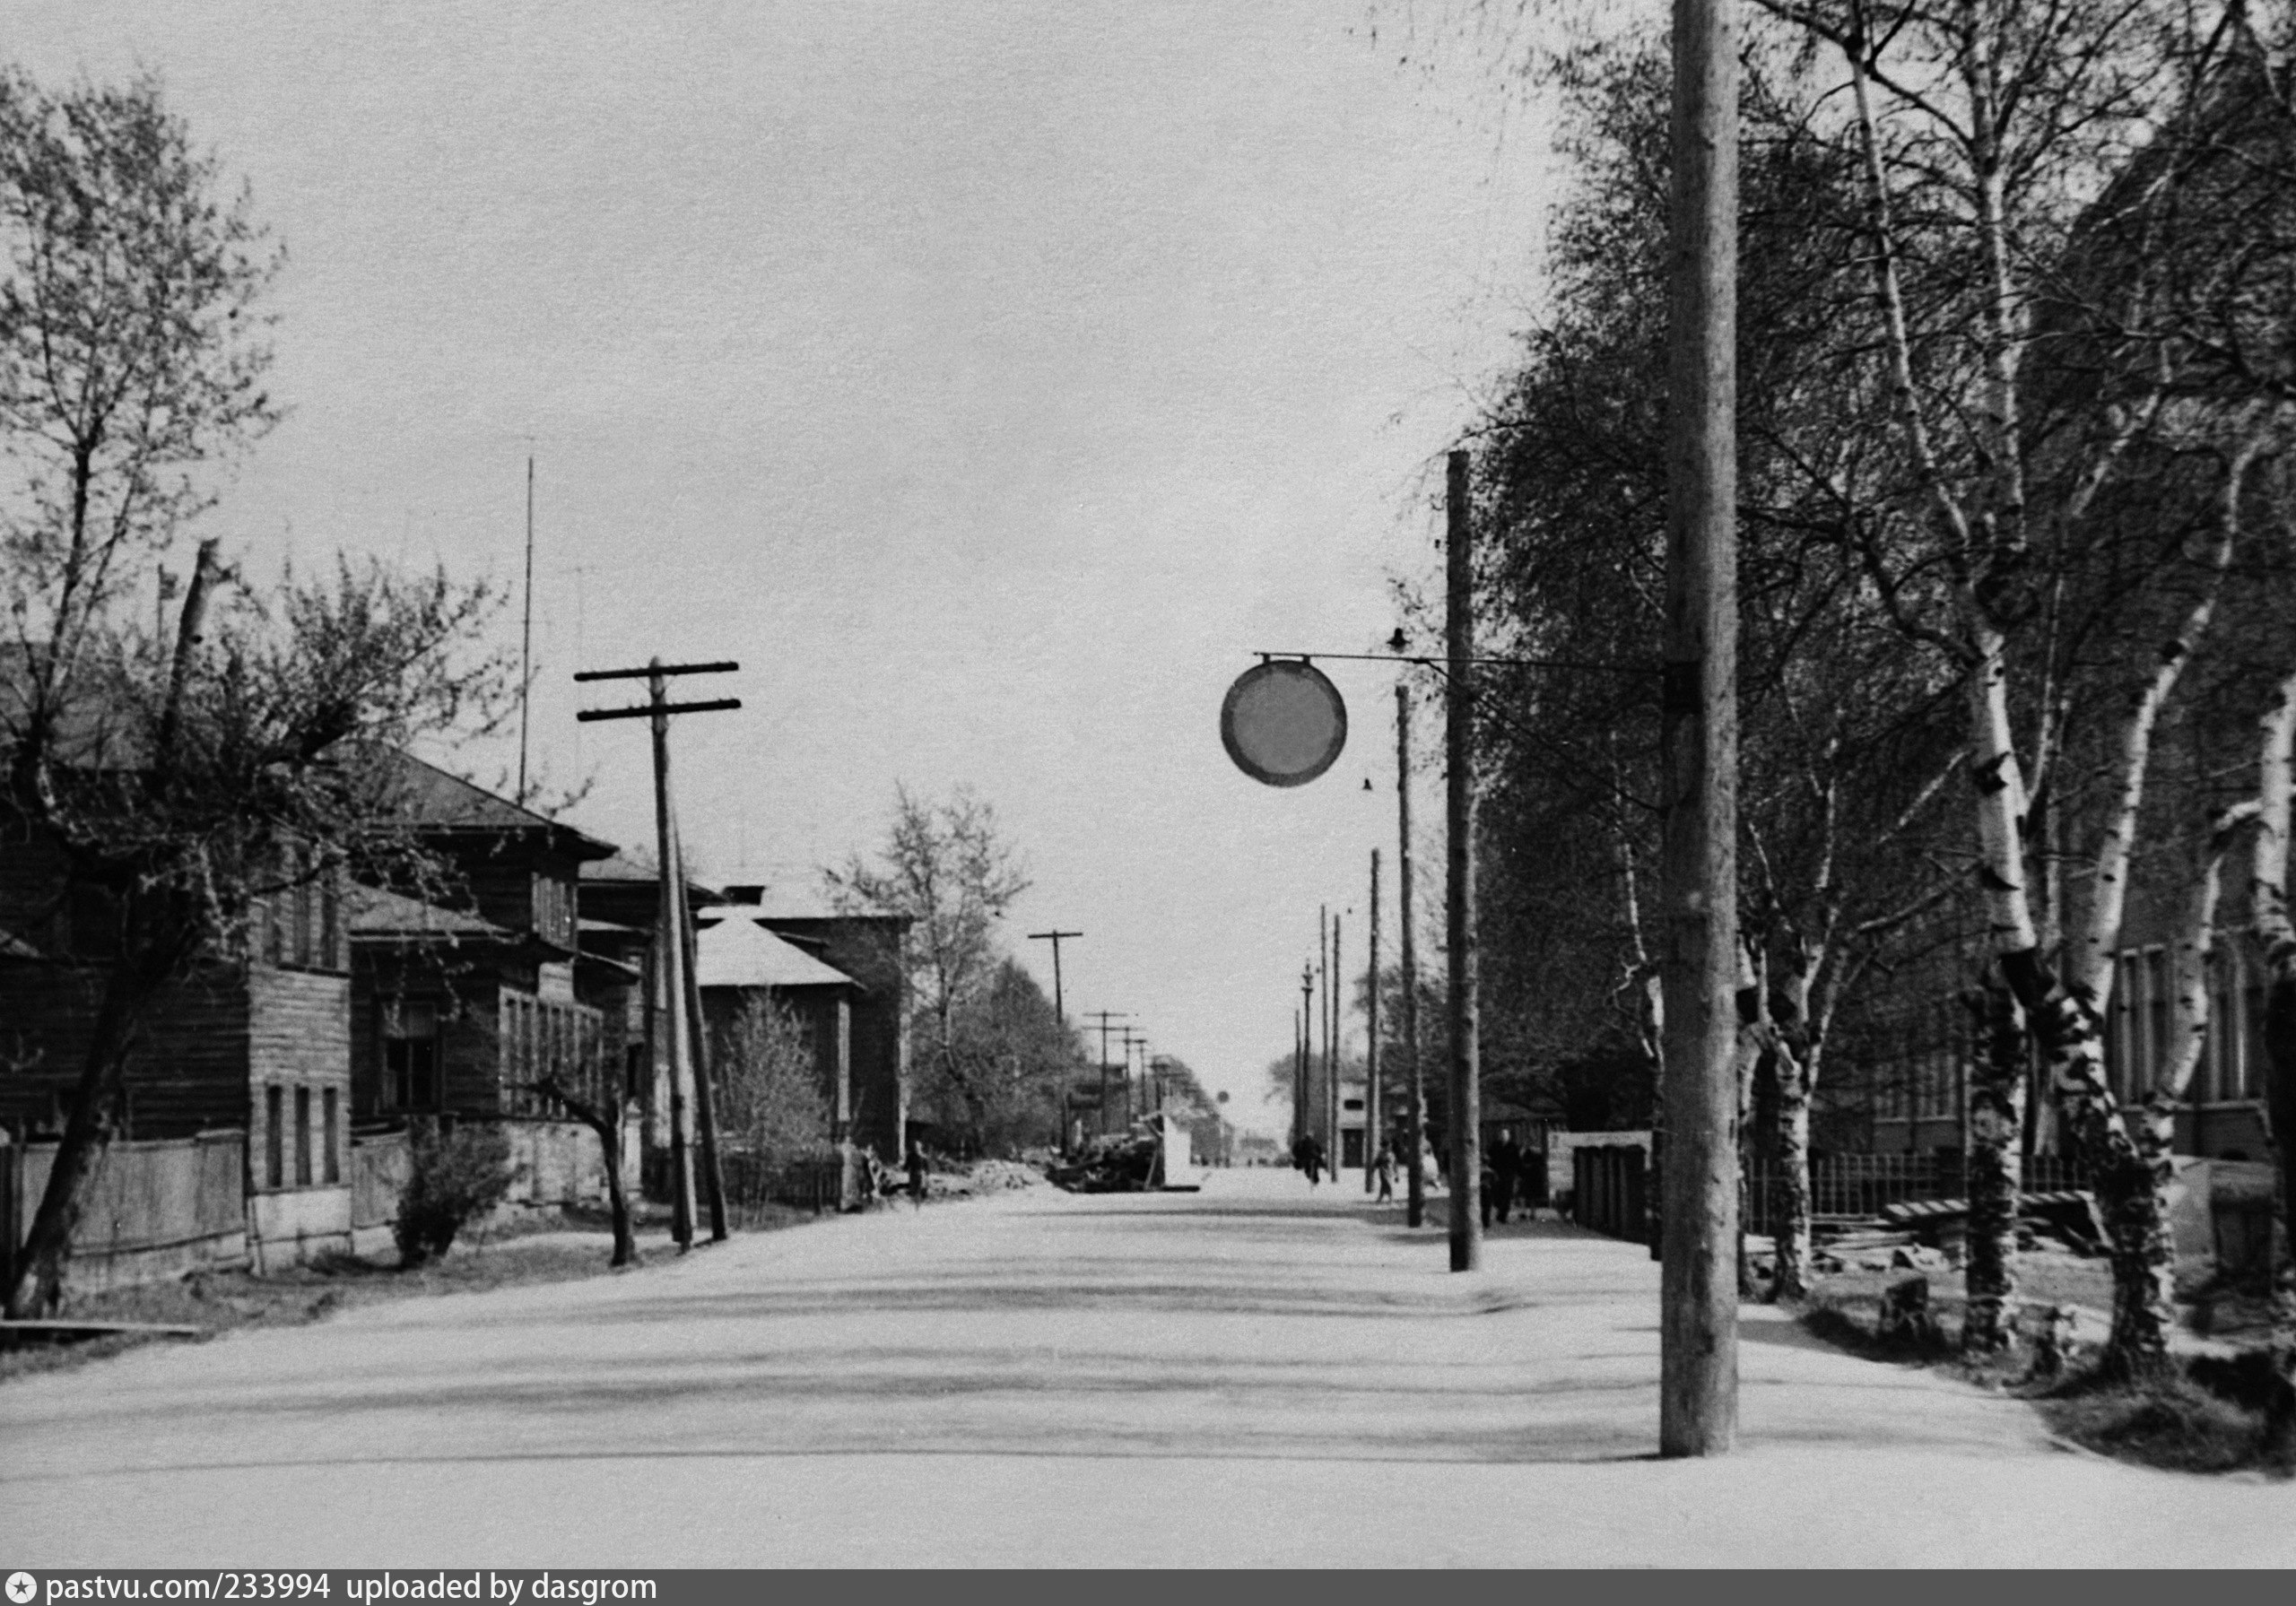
1986, 135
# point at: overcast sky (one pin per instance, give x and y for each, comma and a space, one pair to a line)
990, 380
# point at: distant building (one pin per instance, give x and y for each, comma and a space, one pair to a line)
740, 961
460, 1007
867, 949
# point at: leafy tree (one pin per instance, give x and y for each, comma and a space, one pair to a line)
768, 1084
172, 787
992, 1062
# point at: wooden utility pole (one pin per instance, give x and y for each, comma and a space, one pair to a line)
1698, 1399
1301, 1116
1060, 1013
1131, 1042
1466, 1103
1337, 1041
1059, 1009
527, 635
674, 1010
1416, 1133
705, 1096
1104, 1017
1375, 1123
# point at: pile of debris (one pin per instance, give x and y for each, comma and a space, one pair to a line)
1116, 1163
995, 1176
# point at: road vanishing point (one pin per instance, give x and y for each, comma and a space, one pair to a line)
1253, 1374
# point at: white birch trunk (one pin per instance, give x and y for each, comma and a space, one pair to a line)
2268, 905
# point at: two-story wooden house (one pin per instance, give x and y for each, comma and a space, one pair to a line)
460, 1004
254, 1038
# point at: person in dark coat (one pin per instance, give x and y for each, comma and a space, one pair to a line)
914, 1166
1506, 1170
1315, 1160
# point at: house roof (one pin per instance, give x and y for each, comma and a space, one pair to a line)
443, 801
738, 952
375, 913
635, 867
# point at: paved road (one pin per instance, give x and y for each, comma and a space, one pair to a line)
1250, 1375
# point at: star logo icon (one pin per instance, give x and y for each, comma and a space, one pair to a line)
22, 1588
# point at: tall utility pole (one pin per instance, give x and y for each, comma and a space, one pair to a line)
1060, 1013
1302, 1116
1131, 1041
527, 635
1460, 936
1298, 1061
1103, 1017
1058, 1008
1323, 1029
1698, 1344
1333, 1043
705, 1100
671, 972
1416, 1136
1375, 1115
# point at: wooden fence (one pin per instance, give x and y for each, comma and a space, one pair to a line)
813, 1183
1608, 1191
1848, 1187
154, 1208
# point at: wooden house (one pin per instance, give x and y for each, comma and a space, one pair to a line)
740, 961
256, 1038
462, 1003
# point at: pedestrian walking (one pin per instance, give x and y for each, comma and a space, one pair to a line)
1385, 1170
1315, 1161
914, 1166
1506, 1171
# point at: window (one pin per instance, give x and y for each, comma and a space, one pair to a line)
540, 1040
332, 1170
274, 1136
330, 954
410, 1054
553, 909
304, 946
302, 1137
2158, 997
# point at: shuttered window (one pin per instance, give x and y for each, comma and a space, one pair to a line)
274, 1136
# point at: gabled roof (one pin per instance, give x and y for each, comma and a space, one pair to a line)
375, 913
635, 867
738, 952
438, 800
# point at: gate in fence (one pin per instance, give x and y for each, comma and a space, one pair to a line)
1608, 1191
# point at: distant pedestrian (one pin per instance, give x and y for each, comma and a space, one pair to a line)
1315, 1161
1506, 1171
1385, 1170
914, 1166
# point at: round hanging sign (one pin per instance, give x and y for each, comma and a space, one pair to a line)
1283, 723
